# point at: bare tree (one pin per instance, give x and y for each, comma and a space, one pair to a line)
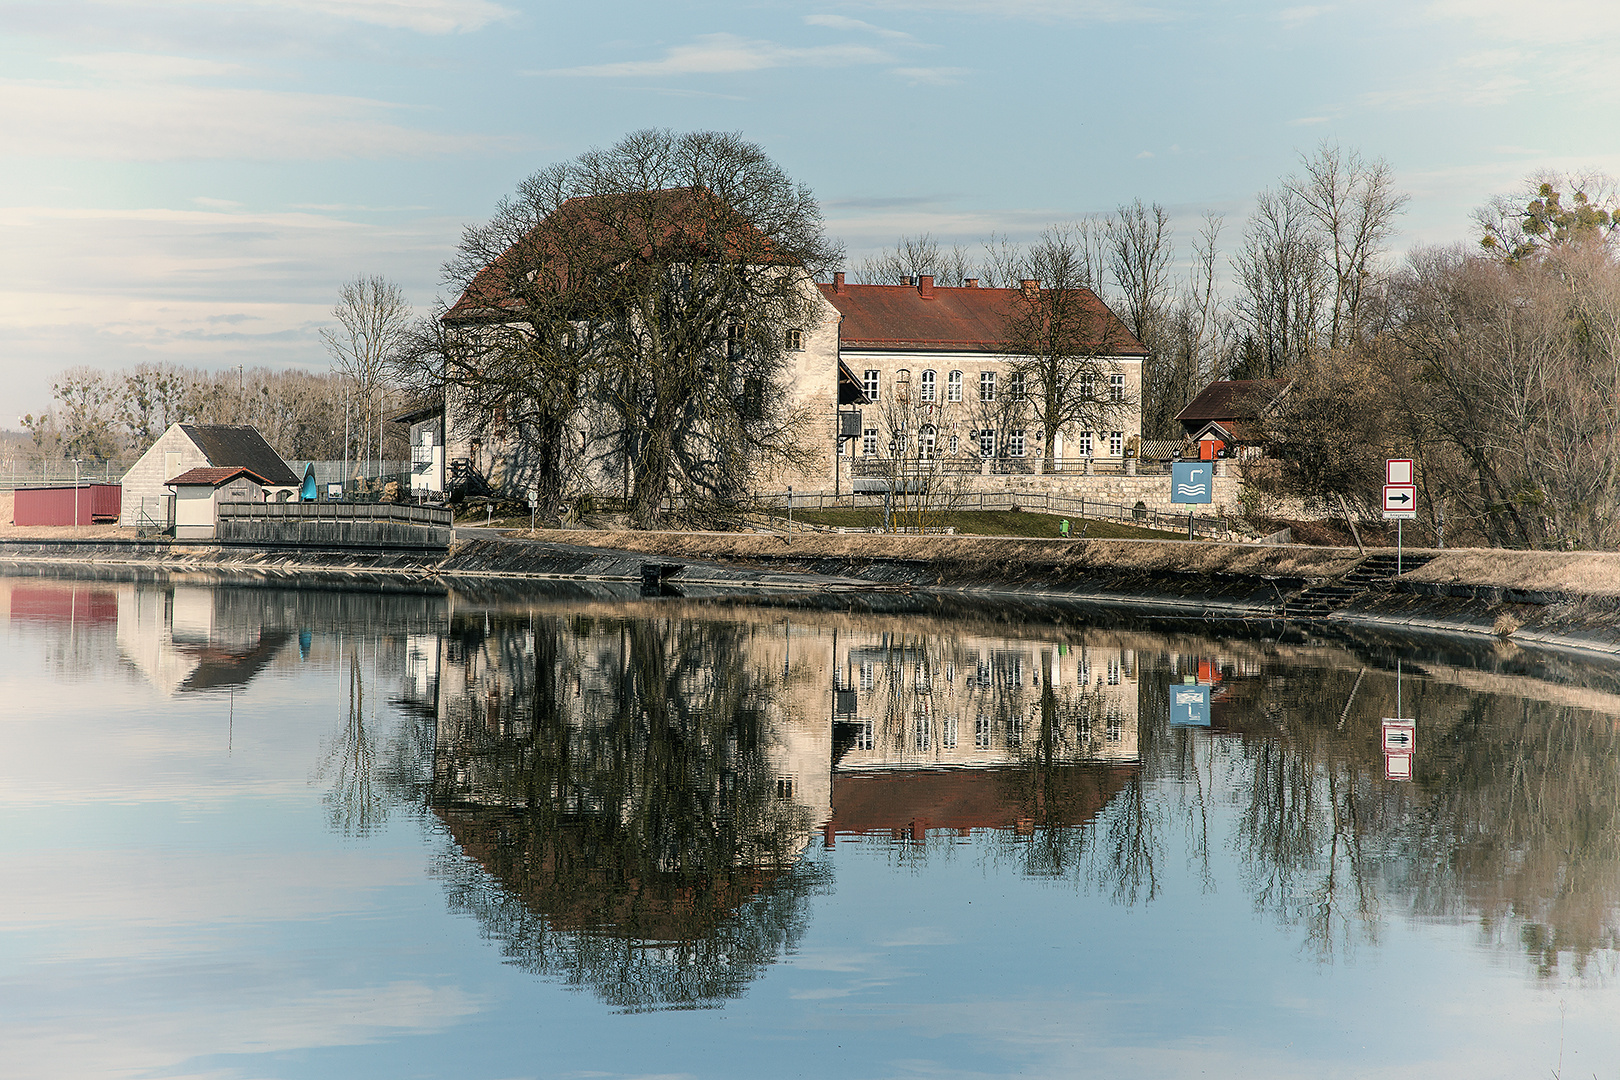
1059, 335
913, 256
1283, 286
652, 284
374, 321
1353, 204
1536, 218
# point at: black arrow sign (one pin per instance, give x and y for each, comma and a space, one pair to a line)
1399, 738
1403, 497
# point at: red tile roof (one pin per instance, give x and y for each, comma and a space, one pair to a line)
947, 318
215, 476
590, 233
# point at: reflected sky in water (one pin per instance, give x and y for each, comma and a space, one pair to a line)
262, 831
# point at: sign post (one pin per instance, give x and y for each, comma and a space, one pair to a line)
1192, 482
1400, 499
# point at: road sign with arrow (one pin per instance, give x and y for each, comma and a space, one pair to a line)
1400, 501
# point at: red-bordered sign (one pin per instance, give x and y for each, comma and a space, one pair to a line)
1400, 736
1397, 766
1398, 471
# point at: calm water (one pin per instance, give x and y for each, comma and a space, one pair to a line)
257, 831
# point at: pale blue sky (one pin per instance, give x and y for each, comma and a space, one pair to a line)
191, 181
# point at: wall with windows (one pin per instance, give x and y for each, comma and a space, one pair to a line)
972, 405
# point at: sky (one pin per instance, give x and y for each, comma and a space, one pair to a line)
191, 181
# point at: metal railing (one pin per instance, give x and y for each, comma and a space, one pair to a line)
1002, 465
1208, 525
336, 511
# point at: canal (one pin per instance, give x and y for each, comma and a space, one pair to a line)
257, 829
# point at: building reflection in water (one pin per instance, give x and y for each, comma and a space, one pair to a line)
636, 795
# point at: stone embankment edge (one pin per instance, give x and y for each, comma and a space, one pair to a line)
1207, 581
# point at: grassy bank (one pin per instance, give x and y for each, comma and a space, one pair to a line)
986, 523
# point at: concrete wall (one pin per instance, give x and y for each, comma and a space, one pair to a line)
333, 534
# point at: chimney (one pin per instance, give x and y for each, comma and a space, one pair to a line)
905, 279
970, 283
925, 285
1031, 286
838, 284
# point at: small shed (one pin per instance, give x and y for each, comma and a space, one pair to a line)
67, 504
190, 446
198, 493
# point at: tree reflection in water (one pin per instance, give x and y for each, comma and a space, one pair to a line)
610, 780
623, 793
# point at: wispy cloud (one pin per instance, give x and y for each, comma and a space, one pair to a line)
1305, 121
728, 54
166, 120
931, 76
1295, 16
844, 22
1067, 11
421, 16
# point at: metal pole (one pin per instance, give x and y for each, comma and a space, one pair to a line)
837, 445
75, 493
1398, 524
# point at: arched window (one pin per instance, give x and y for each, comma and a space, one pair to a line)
953, 386
927, 386
902, 385
925, 442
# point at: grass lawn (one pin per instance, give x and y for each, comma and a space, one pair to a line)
989, 523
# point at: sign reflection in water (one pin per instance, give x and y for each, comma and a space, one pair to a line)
651, 801
634, 794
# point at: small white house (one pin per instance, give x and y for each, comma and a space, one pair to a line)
427, 449
191, 446
198, 493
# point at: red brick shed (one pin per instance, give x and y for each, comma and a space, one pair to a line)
65, 504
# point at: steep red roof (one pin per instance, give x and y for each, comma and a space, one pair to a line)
215, 476
587, 233
1236, 399
948, 318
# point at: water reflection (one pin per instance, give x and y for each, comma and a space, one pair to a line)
640, 799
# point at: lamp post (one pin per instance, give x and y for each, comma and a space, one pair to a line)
75, 493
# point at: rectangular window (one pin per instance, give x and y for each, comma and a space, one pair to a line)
1084, 443
921, 736
925, 444
987, 386
1114, 724
866, 674
1088, 387
869, 442
784, 787
1116, 387
1015, 386
1015, 443
1116, 444
1113, 673
953, 387
1015, 730
870, 384
926, 386
956, 445
987, 442
863, 736
981, 733
795, 340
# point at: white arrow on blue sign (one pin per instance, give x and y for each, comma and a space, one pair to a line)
1192, 482
1189, 705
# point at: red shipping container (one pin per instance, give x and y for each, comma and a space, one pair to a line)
97, 504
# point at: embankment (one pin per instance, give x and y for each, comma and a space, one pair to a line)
1567, 600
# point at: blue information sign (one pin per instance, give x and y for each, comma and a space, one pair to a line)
1192, 481
1189, 705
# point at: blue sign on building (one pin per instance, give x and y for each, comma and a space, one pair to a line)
1189, 705
1192, 482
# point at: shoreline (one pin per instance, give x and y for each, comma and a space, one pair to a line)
1565, 601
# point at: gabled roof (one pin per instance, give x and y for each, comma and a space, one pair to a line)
215, 476
232, 445
1237, 399
940, 318
590, 234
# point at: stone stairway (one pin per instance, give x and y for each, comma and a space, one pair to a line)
1374, 573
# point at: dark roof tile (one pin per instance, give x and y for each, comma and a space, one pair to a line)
230, 445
